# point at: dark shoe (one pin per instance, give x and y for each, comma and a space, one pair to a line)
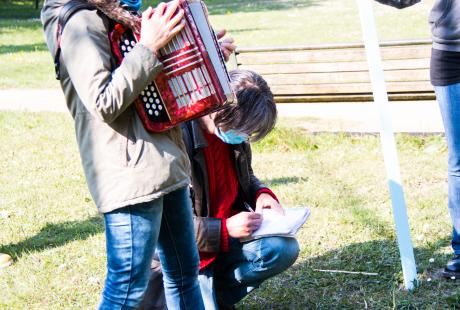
452, 269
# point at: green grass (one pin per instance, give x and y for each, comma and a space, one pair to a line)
56, 237
25, 62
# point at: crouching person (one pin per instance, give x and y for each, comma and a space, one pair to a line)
224, 190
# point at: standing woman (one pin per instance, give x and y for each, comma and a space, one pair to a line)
445, 77
138, 180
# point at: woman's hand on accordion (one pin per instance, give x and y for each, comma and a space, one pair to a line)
159, 26
226, 45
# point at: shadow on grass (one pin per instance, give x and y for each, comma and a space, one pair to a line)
285, 181
226, 7
304, 286
54, 235
19, 9
38, 47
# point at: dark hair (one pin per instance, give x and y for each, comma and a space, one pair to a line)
255, 112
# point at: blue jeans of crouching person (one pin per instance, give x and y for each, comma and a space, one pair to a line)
233, 274
133, 233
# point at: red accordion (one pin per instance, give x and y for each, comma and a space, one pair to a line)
194, 80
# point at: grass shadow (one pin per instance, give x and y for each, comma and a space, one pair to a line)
220, 7
304, 286
54, 235
19, 9
285, 180
38, 47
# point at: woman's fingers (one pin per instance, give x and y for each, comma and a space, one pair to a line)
176, 19
171, 9
159, 11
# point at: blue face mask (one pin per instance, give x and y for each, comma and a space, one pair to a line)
133, 5
231, 136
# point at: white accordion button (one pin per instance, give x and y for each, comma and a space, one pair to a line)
142, 93
148, 93
144, 99
123, 48
133, 43
150, 112
154, 106
151, 100
157, 113
160, 107
127, 42
148, 106
155, 94
157, 100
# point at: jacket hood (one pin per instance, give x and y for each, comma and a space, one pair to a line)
111, 8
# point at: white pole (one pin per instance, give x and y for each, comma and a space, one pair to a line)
390, 154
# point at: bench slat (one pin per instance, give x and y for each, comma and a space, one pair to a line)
336, 67
327, 56
353, 97
345, 77
349, 88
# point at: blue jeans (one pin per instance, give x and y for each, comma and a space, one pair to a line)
448, 98
131, 237
236, 273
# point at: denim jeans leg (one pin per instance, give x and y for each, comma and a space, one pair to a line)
448, 98
131, 235
248, 264
178, 252
206, 279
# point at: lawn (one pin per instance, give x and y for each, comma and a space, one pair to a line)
26, 63
51, 228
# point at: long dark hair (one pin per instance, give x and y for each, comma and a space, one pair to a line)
255, 112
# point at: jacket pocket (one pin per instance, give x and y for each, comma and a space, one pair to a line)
439, 12
133, 146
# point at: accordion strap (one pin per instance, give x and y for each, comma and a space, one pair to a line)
65, 14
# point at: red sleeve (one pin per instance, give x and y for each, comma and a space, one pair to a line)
266, 190
224, 242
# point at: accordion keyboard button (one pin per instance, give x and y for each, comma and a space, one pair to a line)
150, 112
160, 107
147, 106
151, 100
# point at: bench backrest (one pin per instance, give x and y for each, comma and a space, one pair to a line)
325, 73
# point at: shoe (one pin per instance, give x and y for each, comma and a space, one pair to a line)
452, 269
5, 260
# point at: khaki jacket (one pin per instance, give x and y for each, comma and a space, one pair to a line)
122, 162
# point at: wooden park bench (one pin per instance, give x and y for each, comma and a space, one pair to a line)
339, 72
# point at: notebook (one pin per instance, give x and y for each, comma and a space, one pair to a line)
276, 224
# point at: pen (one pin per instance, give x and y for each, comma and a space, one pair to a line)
248, 207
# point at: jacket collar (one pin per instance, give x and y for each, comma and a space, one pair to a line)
199, 141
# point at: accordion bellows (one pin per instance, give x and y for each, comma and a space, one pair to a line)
194, 80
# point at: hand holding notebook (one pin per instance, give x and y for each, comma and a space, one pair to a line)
276, 224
